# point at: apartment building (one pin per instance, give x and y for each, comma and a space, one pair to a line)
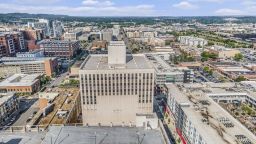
21, 83
198, 119
116, 88
28, 65
192, 41
33, 34
73, 36
57, 29
7, 44
59, 48
13, 42
8, 105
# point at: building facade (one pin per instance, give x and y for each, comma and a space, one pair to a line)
28, 65
114, 93
21, 83
8, 105
59, 48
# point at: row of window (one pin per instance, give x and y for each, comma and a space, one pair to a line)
91, 85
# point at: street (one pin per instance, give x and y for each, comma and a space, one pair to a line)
30, 107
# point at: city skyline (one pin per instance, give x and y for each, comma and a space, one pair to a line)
132, 7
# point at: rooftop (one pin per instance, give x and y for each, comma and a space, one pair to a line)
100, 62
20, 80
47, 41
106, 135
5, 97
192, 99
161, 66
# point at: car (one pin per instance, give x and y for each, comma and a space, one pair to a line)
28, 120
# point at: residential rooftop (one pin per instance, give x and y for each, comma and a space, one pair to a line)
193, 99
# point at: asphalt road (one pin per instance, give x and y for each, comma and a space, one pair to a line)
58, 80
30, 106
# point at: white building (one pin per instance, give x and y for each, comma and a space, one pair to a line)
31, 54
107, 35
72, 35
192, 41
166, 73
57, 28
198, 119
116, 89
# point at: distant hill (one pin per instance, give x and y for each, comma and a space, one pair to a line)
24, 17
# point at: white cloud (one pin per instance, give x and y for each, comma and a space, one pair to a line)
36, 2
185, 5
98, 3
90, 2
213, 1
136, 10
228, 12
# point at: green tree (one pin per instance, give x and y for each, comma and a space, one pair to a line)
238, 57
240, 78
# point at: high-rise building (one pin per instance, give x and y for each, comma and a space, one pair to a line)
57, 29
116, 88
42, 24
11, 42
107, 35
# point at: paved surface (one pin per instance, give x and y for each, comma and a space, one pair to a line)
159, 103
102, 135
58, 80
32, 106
21, 138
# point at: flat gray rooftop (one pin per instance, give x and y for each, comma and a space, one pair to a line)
21, 138
100, 62
103, 135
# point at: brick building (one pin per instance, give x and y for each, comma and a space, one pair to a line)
11, 42
59, 48
21, 83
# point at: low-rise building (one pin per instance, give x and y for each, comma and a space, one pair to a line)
59, 48
168, 74
232, 70
192, 41
8, 105
59, 106
34, 54
21, 83
24, 64
73, 36
222, 52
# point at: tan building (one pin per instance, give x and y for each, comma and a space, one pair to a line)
28, 65
116, 91
223, 52
21, 83
45, 98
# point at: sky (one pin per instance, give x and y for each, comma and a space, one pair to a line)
131, 7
